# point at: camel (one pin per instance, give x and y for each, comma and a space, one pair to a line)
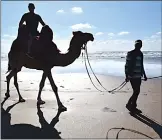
17, 58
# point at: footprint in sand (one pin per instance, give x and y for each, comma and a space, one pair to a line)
88, 88
106, 109
26, 89
70, 99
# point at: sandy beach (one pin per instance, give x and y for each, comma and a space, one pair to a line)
90, 113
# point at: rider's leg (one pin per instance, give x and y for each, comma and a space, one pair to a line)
29, 43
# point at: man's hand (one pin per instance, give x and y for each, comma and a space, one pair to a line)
145, 78
127, 79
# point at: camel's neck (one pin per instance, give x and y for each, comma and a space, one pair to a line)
68, 58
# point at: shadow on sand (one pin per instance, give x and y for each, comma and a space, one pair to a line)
154, 125
28, 131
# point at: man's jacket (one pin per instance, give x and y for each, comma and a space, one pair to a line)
134, 64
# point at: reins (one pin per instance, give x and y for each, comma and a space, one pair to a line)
110, 91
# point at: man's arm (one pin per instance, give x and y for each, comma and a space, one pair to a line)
143, 70
127, 65
22, 20
41, 21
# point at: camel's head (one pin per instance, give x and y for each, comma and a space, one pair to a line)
83, 37
89, 37
78, 40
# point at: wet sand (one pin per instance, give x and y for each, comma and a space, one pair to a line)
90, 113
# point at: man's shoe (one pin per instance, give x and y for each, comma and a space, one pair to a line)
133, 109
136, 110
128, 106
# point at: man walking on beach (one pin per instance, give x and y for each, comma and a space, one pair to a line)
32, 20
134, 71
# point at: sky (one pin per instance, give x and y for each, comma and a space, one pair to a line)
114, 24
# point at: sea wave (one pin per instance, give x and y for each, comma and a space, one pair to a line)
104, 67
148, 55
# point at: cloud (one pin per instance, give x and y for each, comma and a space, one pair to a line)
99, 33
111, 34
154, 36
60, 11
158, 33
122, 45
82, 26
77, 10
9, 36
153, 44
123, 33
110, 45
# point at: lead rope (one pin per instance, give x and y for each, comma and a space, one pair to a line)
119, 87
89, 74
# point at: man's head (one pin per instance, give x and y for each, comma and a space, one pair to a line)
31, 7
138, 44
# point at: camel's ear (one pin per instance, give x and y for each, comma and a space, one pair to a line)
74, 33
77, 32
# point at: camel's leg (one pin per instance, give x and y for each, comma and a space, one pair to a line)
41, 85
17, 88
8, 78
55, 89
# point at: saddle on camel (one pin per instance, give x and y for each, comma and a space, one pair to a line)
45, 56
42, 46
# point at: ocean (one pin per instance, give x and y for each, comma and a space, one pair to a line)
104, 63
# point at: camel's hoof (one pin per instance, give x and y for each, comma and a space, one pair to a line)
7, 95
62, 108
21, 100
40, 102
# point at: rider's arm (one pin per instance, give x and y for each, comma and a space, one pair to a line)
22, 20
41, 21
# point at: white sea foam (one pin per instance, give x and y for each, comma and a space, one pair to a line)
105, 67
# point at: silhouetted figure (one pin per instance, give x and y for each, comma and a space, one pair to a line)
32, 20
28, 131
134, 71
17, 59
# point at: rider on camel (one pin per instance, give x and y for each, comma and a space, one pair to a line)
32, 20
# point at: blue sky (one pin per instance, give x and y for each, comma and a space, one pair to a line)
115, 25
